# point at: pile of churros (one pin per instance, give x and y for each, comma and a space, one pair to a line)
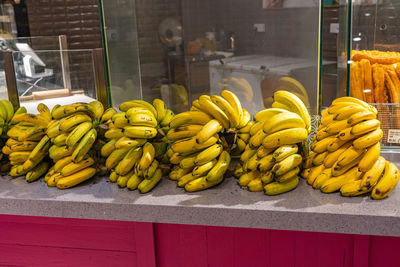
375, 78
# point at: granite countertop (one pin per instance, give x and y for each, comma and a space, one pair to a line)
303, 209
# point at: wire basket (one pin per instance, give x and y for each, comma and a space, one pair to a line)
389, 116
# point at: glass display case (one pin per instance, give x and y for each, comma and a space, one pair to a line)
178, 50
369, 59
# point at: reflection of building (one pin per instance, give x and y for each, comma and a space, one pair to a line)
272, 3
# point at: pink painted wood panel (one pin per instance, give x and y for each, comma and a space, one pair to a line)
384, 251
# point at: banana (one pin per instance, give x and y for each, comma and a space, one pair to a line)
322, 134
328, 119
120, 120
148, 184
190, 117
147, 158
266, 163
57, 153
288, 175
202, 170
245, 179
211, 108
129, 142
73, 167
332, 157
136, 110
3, 111
209, 129
18, 170
84, 145
76, 135
246, 129
255, 185
107, 115
220, 167
150, 171
257, 139
277, 104
352, 189
295, 105
233, 101
133, 182
44, 111
252, 163
76, 178
182, 181
262, 151
98, 109
284, 151
256, 128
160, 108
339, 170
347, 111
321, 178
349, 155
247, 154
238, 170
114, 133
51, 181
285, 137
140, 119
189, 145
365, 127
309, 159
346, 135
368, 139
267, 177
140, 132
387, 183
19, 157
336, 144
138, 103
169, 115
201, 184
267, 114
176, 158
60, 164
245, 137
372, 176
335, 183
185, 131
113, 177
188, 162
370, 157
336, 107
208, 154
348, 99
336, 127
319, 158
60, 140
178, 172
277, 188
108, 148
361, 116
314, 173
281, 121
244, 119
23, 146
73, 120
233, 116
115, 157
40, 149
241, 144
50, 173
123, 179
53, 130
33, 134
287, 164
79, 108
9, 110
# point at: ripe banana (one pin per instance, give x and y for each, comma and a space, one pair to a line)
288, 175
140, 119
244, 119
387, 183
73, 167
133, 182
147, 158
285, 137
257, 139
84, 146
365, 127
150, 171
19, 157
319, 158
335, 183
346, 135
140, 132
44, 111
262, 151
108, 148
336, 127
190, 117
30, 118
361, 116
368, 139
287, 164
332, 157
189, 145
160, 107
314, 173
284, 151
349, 155
234, 102
267, 177
116, 156
255, 185
336, 144
202, 170
201, 184
352, 189
328, 119
60, 164
77, 134
370, 157
122, 180
184, 132
60, 140
281, 121
73, 120
147, 184
209, 129
339, 170
129, 142
107, 115
230, 112
76, 178
277, 188
220, 167
211, 108
372, 176
40, 149
349, 99
137, 103
267, 114
321, 178
266, 163
347, 111
114, 133
169, 115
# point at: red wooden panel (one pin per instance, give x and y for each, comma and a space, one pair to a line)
251, 247
305, 247
68, 233
361, 251
334, 250
146, 255
32, 256
193, 246
384, 251
220, 246
167, 244
282, 248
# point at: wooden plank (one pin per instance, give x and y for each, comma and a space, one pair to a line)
192, 246
361, 251
68, 233
282, 248
220, 246
167, 238
305, 248
251, 247
384, 251
334, 249
19, 255
144, 237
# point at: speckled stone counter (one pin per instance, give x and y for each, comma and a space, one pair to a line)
303, 209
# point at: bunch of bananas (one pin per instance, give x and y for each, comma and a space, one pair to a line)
203, 138
28, 144
271, 160
6, 114
136, 144
73, 133
345, 152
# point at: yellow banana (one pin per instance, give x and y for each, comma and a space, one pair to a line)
284, 151
277, 104
370, 157
108, 148
335, 107
3, 111
233, 116
333, 184
267, 114
262, 151
129, 142
287, 164
245, 179
97, 108
72, 167
114, 133
107, 115
201, 184
140, 132
40, 149
288, 175
248, 153
122, 180
19, 157
50, 173
246, 129
23, 146
44, 111
336, 144
160, 107
314, 173
234, 101
176, 158
190, 145
6, 150
56, 152
84, 145
255, 185
361, 116
140, 119
349, 155
308, 159
285, 137
73, 120
244, 119
190, 117
138, 103
321, 178
276, 188
169, 115
209, 129
336, 127
245, 137
346, 112
54, 130
76, 135
148, 184
266, 163
183, 180
188, 162
133, 182
372, 176
30, 118
322, 134
328, 119
113, 177
252, 163
267, 177
150, 171
76, 178
319, 158
178, 172
116, 156
365, 127
281, 121
211, 108
202, 170
60, 164
120, 120
346, 135
256, 128
257, 139
332, 157
352, 189
238, 171
368, 139
60, 140
147, 158
349, 99
339, 170
184, 132
387, 183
